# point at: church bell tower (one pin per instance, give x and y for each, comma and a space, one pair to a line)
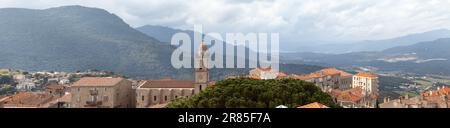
201, 69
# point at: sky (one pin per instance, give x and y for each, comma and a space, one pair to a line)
295, 20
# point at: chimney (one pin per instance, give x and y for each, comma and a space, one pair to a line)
384, 100
431, 93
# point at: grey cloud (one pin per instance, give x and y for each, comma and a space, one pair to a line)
296, 21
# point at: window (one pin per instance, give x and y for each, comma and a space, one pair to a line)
78, 89
200, 88
165, 98
93, 98
176, 97
142, 98
154, 98
105, 98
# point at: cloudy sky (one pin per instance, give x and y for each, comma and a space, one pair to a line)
306, 20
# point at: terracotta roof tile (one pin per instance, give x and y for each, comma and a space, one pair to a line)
24, 99
314, 105
444, 90
281, 74
354, 95
97, 81
365, 74
167, 83
56, 87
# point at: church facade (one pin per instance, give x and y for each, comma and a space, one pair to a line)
151, 93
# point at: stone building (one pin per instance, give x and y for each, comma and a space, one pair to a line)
56, 89
155, 92
151, 93
431, 99
264, 73
328, 79
102, 92
354, 98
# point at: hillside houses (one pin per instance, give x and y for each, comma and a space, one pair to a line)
439, 98
349, 90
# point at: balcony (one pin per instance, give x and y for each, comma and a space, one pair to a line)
93, 103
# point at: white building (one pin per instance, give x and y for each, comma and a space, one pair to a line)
26, 85
264, 73
64, 81
367, 81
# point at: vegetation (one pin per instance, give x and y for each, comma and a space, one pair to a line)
389, 86
6, 79
6, 89
252, 93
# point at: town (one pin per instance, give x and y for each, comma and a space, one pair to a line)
103, 89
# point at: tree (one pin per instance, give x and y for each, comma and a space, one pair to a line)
252, 93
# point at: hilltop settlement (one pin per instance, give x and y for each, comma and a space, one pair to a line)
102, 89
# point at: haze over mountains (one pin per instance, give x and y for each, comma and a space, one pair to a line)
73, 38
371, 45
431, 57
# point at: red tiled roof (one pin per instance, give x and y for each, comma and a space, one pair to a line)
301, 77
56, 87
97, 81
445, 90
316, 75
333, 71
335, 92
167, 83
365, 74
3, 98
29, 99
441, 91
264, 68
330, 71
281, 74
314, 105
354, 95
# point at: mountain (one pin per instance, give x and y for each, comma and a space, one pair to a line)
430, 49
431, 57
162, 33
403, 41
379, 45
74, 38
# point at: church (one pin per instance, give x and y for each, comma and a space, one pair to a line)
157, 93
